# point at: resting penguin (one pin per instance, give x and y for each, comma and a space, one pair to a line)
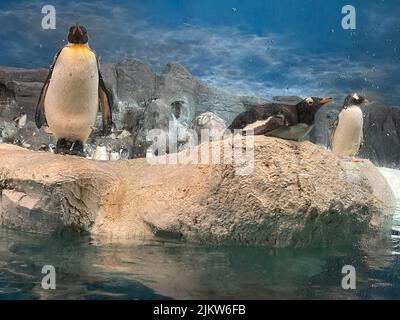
347, 134
291, 122
72, 95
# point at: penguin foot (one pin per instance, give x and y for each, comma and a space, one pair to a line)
354, 159
63, 146
77, 149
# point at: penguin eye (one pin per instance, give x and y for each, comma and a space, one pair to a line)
309, 101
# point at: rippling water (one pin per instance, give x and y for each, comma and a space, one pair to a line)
87, 268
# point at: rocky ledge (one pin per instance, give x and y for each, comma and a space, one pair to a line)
297, 195
145, 100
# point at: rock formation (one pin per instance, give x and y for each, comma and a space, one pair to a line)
145, 100
297, 194
381, 132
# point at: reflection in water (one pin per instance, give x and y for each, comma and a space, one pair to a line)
87, 268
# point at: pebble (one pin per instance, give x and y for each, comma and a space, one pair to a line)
124, 134
101, 154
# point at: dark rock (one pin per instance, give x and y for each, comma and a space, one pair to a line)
19, 91
6, 93
288, 99
135, 82
158, 115
382, 135
176, 84
144, 100
109, 74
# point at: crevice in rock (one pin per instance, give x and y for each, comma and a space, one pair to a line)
6, 93
176, 108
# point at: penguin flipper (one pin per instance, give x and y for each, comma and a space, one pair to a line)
240, 121
105, 104
362, 139
265, 127
40, 116
253, 113
332, 134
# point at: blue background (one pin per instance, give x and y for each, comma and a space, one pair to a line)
263, 48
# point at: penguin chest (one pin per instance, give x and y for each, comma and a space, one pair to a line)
296, 132
71, 102
348, 134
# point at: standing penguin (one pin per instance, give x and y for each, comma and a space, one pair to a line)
72, 95
347, 133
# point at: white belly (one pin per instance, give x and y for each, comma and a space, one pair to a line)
296, 132
71, 102
348, 134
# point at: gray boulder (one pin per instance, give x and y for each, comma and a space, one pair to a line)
144, 100
209, 121
19, 91
136, 83
382, 135
381, 132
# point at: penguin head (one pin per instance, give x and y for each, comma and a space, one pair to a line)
354, 99
314, 102
78, 34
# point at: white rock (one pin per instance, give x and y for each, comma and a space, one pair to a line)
22, 121
26, 145
210, 122
114, 156
101, 154
124, 134
9, 131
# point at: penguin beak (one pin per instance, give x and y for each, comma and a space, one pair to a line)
325, 100
79, 30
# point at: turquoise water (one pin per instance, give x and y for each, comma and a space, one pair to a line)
86, 268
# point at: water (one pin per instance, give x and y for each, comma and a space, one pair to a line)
165, 270
393, 178
89, 268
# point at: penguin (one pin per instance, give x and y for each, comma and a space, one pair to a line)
347, 133
290, 122
72, 94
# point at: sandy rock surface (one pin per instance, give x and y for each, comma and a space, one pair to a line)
298, 194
